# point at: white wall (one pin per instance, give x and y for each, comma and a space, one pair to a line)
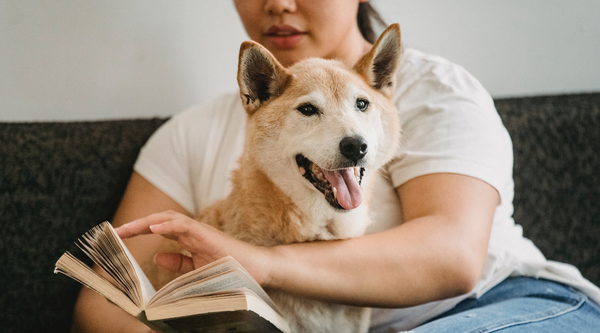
89, 59
514, 47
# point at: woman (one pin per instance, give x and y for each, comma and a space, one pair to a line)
444, 245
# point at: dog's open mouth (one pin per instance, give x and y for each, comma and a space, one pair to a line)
340, 187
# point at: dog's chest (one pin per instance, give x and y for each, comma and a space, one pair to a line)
339, 225
265, 226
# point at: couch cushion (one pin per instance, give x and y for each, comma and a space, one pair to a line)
57, 180
556, 143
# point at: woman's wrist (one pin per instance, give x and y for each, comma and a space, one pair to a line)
288, 266
271, 261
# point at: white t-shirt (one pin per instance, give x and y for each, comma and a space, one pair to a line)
449, 125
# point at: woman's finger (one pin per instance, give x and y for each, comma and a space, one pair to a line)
174, 228
193, 236
142, 226
204, 242
174, 262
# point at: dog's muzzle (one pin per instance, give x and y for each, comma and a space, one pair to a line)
341, 187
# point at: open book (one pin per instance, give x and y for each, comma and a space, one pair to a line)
219, 297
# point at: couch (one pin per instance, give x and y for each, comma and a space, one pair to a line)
59, 179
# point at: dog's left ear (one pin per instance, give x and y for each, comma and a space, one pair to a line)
260, 76
380, 64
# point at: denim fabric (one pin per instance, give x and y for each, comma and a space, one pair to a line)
521, 304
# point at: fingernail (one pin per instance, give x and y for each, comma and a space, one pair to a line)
155, 228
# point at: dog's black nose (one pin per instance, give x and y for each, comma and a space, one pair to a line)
353, 148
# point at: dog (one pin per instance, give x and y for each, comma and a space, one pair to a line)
316, 134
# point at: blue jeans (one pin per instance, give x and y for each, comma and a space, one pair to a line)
521, 304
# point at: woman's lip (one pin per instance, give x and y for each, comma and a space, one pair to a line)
282, 30
284, 36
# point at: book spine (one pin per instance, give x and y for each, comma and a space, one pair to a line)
156, 325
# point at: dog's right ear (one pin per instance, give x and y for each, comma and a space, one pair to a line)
379, 65
260, 76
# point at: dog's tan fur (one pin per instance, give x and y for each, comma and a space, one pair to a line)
271, 203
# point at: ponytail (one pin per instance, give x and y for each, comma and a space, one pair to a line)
366, 13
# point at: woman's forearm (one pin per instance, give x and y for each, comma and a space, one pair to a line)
438, 252
418, 262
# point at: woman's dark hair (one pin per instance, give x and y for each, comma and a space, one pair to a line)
366, 13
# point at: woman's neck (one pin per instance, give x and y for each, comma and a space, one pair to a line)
351, 50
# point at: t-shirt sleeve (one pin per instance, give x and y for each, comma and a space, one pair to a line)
165, 159
190, 157
162, 162
450, 125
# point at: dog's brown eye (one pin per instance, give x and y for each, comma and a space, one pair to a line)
362, 104
308, 109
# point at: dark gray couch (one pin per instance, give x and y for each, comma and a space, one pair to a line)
57, 180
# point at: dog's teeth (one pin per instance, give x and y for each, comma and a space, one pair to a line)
314, 168
302, 170
335, 193
317, 172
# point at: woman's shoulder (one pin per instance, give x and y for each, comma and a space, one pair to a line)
202, 123
225, 105
416, 63
221, 112
430, 79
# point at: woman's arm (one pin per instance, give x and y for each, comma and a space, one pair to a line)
93, 313
438, 252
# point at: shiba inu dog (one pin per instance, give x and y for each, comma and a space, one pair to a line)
316, 134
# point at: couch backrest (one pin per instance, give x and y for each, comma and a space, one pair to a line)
556, 142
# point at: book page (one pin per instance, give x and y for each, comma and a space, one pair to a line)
106, 249
216, 267
147, 289
72, 267
229, 280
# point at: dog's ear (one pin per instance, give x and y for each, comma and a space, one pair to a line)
260, 76
379, 65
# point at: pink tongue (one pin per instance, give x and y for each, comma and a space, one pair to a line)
349, 194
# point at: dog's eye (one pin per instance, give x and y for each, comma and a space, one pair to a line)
308, 109
362, 104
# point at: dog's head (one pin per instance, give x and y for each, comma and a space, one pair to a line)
319, 126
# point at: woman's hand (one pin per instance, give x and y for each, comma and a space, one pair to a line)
205, 243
